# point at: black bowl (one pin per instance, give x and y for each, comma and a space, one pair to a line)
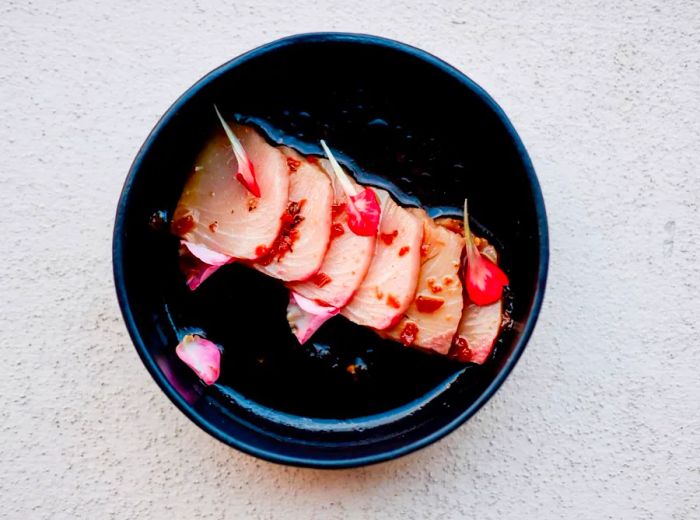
347, 398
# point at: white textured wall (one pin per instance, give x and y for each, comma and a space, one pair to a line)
600, 419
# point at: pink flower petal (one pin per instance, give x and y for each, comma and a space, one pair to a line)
205, 254
195, 278
313, 307
202, 356
364, 213
198, 263
305, 316
246, 172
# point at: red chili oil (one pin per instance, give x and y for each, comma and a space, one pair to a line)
433, 285
409, 333
183, 225
388, 238
392, 301
321, 279
461, 351
337, 229
287, 236
337, 209
428, 304
293, 164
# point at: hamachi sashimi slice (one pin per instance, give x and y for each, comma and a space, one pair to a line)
346, 261
479, 326
432, 318
216, 211
390, 284
299, 249
478, 331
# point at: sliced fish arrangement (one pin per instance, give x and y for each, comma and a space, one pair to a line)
339, 247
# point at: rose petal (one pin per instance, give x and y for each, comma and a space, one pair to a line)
364, 213
313, 307
195, 278
193, 268
202, 356
205, 254
484, 279
306, 316
246, 173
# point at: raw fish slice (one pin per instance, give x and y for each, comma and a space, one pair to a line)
392, 278
432, 318
216, 211
479, 326
346, 261
300, 247
478, 331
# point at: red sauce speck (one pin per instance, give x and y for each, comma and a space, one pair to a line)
461, 350
261, 251
190, 265
320, 279
453, 225
428, 303
447, 280
424, 250
337, 209
293, 164
287, 236
433, 285
183, 225
388, 238
213, 226
392, 301
404, 250
321, 302
312, 159
378, 292
409, 333
337, 229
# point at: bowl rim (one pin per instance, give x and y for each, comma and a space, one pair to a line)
309, 461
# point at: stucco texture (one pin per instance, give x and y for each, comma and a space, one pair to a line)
601, 417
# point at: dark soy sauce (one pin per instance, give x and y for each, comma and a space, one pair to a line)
344, 371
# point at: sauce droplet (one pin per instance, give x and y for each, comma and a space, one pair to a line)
388, 238
428, 304
183, 225
409, 333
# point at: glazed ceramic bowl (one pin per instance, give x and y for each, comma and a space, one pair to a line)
409, 122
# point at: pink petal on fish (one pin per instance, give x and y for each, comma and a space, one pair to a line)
246, 171
202, 356
306, 316
196, 278
205, 254
313, 307
195, 270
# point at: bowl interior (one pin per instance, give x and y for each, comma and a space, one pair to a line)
400, 119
